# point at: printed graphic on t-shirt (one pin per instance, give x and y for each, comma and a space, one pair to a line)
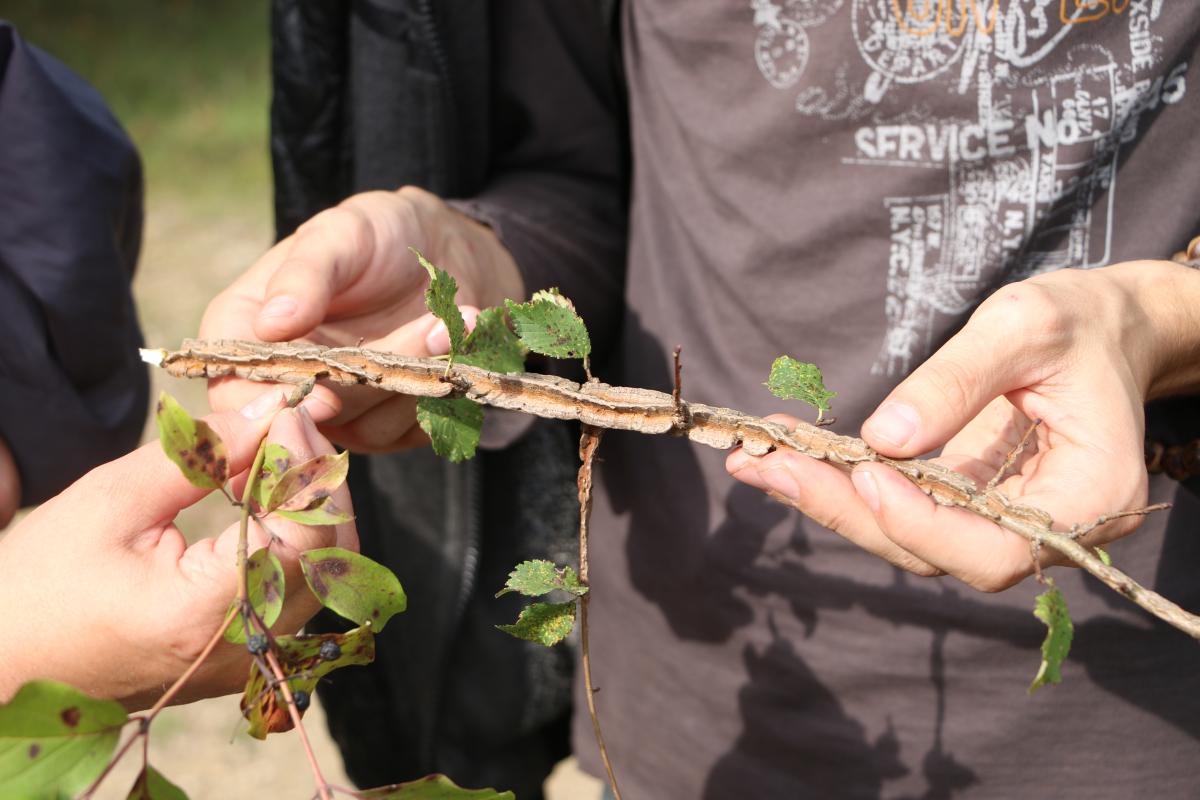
1030, 167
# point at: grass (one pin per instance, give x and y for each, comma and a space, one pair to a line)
188, 79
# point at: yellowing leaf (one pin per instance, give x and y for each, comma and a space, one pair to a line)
544, 623
194, 447
264, 579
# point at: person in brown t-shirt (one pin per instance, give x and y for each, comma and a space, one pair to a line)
894, 191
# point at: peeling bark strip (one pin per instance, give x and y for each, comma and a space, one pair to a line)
643, 411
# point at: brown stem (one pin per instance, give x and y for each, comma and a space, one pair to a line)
644, 411
587, 452
323, 789
145, 720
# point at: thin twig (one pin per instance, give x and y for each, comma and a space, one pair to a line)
1079, 531
587, 452
643, 411
144, 721
323, 789
1012, 456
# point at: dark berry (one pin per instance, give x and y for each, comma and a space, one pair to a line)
301, 699
257, 644
330, 651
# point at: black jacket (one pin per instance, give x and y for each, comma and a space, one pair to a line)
72, 388
375, 95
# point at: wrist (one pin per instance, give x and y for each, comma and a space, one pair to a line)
1165, 298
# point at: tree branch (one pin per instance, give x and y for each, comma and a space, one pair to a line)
643, 411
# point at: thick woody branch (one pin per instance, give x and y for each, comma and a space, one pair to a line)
643, 411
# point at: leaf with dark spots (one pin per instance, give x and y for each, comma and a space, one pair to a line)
54, 740
538, 577
440, 300
301, 660
492, 345
264, 579
432, 787
194, 446
544, 623
352, 585
323, 512
304, 484
151, 785
548, 324
276, 461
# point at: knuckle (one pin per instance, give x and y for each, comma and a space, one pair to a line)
951, 380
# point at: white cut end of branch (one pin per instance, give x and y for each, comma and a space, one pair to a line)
153, 357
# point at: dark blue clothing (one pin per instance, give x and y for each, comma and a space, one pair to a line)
72, 389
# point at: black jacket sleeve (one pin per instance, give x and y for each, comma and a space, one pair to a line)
557, 184
72, 389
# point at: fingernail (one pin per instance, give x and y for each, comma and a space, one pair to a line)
894, 423
264, 404
281, 306
779, 479
437, 341
868, 490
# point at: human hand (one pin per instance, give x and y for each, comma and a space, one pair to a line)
10, 485
346, 276
1080, 351
101, 590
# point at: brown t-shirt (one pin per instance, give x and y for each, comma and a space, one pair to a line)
844, 181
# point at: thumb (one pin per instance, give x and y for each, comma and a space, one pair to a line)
145, 488
324, 257
945, 393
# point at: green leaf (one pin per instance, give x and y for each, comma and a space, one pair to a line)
324, 512
352, 585
539, 577
544, 623
795, 380
432, 787
151, 785
1051, 608
55, 740
307, 485
301, 660
1103, 555
492, 344
439, 299
264, 579
194, 447
276, 461
453, 425
548, 324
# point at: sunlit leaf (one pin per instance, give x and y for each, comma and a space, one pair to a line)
194, 447
1103, 555
1051, 608
306, 485
264, 580
795, 380
352, 585
276, 461
55, 740
492, 344
432, 787
439, 299
303, 663
151, 785
452, 424
544, 623
538, 577
548, 324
